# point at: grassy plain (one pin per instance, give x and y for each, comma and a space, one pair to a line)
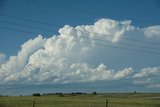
89, 100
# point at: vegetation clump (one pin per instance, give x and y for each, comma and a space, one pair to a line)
37, 94
94, 93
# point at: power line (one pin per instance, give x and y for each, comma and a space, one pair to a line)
57, 26
73, 18
98, 44
49, 13
124, 48
60, 26
13, 29
30, 20
71, 8
27, 26
82, 10
130, 39
121, 43
91, 32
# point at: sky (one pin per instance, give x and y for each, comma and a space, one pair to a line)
79, 45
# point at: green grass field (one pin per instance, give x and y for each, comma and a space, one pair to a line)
114, 100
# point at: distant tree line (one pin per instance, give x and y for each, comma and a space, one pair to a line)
36, 94
67, 94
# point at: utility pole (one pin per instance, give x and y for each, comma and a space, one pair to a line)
33, 103
106, 102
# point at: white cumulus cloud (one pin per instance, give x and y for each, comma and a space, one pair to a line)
65, 58
152, 31
148, 77
123, 73
145, 72
17, 63
2, 58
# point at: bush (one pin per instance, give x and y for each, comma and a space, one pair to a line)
94, 93
37, 94
61, 95
135, 92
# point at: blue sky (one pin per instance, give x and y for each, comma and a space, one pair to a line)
142, 13
44, 56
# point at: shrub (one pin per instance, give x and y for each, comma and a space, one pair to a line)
61, 95
94, 93
37, 94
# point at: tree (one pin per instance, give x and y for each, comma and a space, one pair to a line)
94, 93
61, 95
37, 94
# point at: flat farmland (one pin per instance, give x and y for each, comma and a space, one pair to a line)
88, 100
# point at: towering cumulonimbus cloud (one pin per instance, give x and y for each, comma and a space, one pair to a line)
16, 64
2, 58
65, 58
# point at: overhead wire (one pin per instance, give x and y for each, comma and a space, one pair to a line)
90, 43
98, 44
57, 26
30, 20
49, 13
13, 29
124, 48
121, 43
81, 10
74, 18
27, 26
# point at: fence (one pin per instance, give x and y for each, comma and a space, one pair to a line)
123, 104
64, 102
